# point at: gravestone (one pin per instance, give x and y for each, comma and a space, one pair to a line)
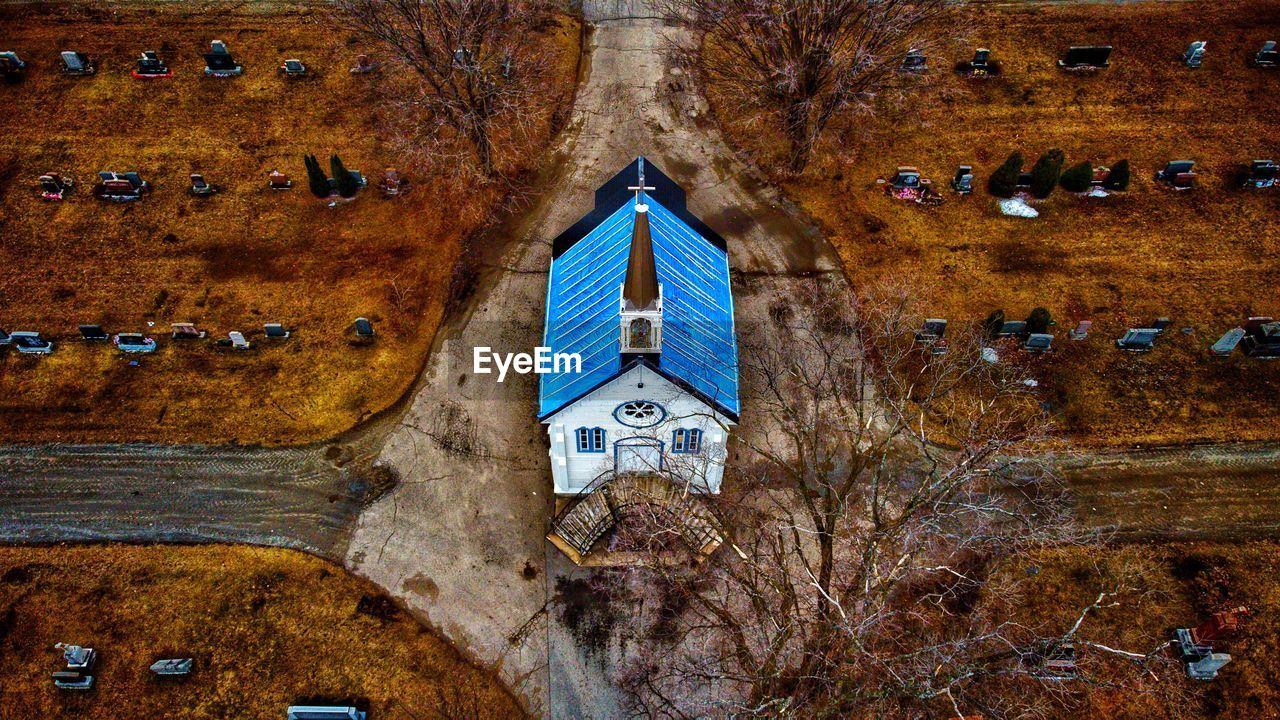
1268, 56
1218, 625
1207, 667
1088, 57
915, 61
1194, 54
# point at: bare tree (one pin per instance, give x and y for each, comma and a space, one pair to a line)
477, 70
876, 496
802, 61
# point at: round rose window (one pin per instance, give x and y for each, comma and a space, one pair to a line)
639, 413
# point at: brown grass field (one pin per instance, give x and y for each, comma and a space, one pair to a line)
1205, 258
231, 262
267, 628
1171, 586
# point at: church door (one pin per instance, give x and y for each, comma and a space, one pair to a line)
637, 455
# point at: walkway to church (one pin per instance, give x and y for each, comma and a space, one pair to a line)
460, 540
455, 539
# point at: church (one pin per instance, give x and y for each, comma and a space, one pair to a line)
639, 290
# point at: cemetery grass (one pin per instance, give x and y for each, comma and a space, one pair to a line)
244, 257
1164, 587
1205, 258
266, 627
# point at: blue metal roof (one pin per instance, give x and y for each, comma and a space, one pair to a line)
699, 348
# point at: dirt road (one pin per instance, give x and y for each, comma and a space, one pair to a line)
1219, 492
461, 540
297, 498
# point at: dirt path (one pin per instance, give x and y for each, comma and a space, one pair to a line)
290, 498
1211, 492
461, 540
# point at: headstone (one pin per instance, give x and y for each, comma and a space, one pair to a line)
172, 666
1194, 54
279, 181
364, 64
1268, 56
905, 177
218, 61
1178, 174
1218, 625
915, 61
93, 333
1012, 328
150, 65
76, 656
10, 64
963, 180
1262, 174
72, 680
1207, 667
1138, 339
53, 186
185, 331
1086, 57
74, 63
1038, 342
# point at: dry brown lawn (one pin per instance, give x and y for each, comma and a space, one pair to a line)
1206, 258
267, 628
231, 262
1168, 586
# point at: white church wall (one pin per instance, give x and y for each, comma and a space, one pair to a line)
573, 470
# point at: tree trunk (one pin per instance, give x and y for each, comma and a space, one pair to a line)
796, 118
484, 147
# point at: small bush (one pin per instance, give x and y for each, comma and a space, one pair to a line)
1078, 178
316, 179
1045, 173
1039, 321
347, 185
1118, 179
1003, 183
991, 326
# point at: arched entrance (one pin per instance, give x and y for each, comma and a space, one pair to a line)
637, 455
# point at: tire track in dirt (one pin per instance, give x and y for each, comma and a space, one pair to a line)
1220, 492
294, 497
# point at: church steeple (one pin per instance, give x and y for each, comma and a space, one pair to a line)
641, 299
640, 290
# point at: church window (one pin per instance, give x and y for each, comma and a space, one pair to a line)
687, 440
590, 440
641, 334
639, 413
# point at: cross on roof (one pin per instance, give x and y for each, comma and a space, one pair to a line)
641, 187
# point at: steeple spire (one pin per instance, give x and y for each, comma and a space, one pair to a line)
640, 302
640, 290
